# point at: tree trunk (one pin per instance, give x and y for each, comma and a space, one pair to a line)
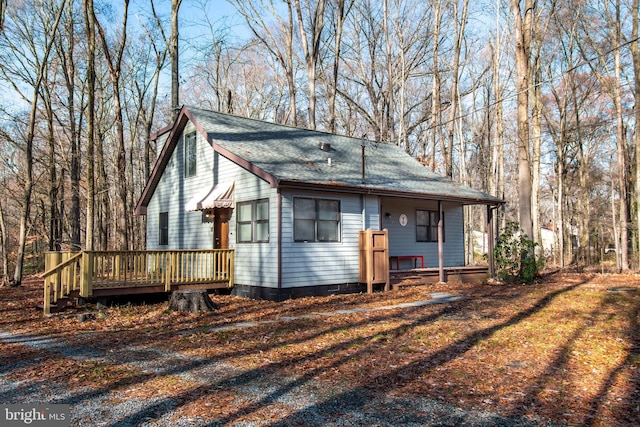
635, 54
333, 87
522, 29
435, 85
67, 55
191, 301
461, 23
175, 75
5, 249
621, 144
114, 63
311, 51
91, 89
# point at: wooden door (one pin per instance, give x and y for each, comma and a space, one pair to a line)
221, 229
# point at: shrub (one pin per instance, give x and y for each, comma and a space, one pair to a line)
515, 256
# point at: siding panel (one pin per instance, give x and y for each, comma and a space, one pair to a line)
325, 263
256, 264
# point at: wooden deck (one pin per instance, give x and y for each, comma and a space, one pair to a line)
108, 273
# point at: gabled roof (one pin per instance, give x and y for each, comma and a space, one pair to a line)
288, 157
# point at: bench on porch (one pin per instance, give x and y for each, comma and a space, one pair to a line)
415, 259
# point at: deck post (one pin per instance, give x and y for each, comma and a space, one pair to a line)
56, 258
168, 263
86, 275
117, 261
490, 242
369, 260
441, 274
387, 283
66, 275
47, 297
231, 267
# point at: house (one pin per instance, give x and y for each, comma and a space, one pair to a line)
291, 203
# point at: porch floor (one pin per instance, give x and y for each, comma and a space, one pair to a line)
422, 276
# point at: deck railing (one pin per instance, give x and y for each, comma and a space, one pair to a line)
66, 272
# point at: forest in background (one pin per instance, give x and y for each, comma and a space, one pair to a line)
531, 101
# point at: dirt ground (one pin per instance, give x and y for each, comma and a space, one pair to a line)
563, 351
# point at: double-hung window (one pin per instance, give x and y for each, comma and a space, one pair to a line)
253, 221
427, 226
316, 220
190, 154
163, 235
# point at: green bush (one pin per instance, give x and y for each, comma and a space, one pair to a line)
515, 256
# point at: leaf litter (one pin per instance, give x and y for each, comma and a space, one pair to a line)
564, 351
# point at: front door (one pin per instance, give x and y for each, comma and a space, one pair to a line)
221, 228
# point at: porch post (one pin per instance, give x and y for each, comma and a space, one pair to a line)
490, 241
440, 245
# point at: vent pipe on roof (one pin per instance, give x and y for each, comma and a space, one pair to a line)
363, 164
324, 146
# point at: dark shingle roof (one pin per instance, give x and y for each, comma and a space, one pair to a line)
293, 155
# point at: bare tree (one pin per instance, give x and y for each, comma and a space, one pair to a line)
160, 56
277, 40
523, 21
89, 16
310, 41
635, 55
539, 31
436, 112
174, 54
25, 25
611, 82
461, 22
4, 240
340, 12
65, 46
114, 63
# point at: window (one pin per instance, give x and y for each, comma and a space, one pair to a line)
190, 154
427, 226
253, 221
316, 220
163, 238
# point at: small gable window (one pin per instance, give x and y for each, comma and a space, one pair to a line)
316, 220
427, 226
190, 154
163, 236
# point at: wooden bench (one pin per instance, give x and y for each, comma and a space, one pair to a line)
415, 259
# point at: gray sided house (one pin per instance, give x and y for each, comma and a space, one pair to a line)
291, 203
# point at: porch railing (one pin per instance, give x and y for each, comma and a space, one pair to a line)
66, 272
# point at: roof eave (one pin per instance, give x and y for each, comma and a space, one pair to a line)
163, 159
300, 185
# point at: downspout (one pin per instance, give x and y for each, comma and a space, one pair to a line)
363, 209
490, 240
279, 241
440, 243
